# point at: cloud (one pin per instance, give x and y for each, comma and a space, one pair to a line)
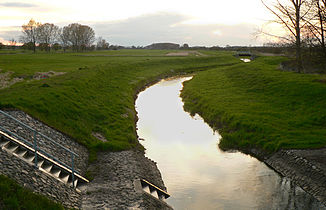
163, 27
10, 33
17, 4
170, 27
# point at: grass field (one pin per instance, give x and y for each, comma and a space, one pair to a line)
97, 92
256, 105
252, 104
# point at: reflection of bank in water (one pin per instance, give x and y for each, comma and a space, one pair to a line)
197, 174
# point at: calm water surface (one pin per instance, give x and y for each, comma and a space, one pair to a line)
197, 173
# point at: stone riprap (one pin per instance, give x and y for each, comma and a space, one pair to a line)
303, 168
116, 174
115, 177
38, 181
62, 155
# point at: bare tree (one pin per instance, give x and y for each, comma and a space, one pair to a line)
64, 37
316, 24
291, 14
30, 33
78, 36
12, 43
102, 44
87, 36
47, 34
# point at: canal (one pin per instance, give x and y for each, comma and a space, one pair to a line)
197, 174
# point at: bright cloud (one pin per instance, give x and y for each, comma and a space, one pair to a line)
176, 20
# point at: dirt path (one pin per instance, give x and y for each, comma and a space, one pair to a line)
185, 53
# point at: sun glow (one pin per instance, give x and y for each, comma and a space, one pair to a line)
193, 13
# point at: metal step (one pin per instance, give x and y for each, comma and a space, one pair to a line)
46, 164
40, 163
154, 190
55, 171
11, 148
4, 143
20, 152
75, 182
64, 177
29, 157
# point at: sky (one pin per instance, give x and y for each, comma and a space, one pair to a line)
143, 22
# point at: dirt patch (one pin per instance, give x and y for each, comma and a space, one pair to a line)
6, 79
185, 53
270, 54
99, 136
45, 75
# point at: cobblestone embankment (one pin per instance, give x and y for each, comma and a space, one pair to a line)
116, 174
306, 168
38, 181
49, 147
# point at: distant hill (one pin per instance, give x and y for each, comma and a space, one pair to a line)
163, 46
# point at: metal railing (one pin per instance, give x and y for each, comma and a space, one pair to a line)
37, 149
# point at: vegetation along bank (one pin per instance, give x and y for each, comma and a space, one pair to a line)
277, 116
253, 105
90, 97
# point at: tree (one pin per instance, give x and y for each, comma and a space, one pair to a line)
185, 46
79, 36
28, 46
12, 43
102, 44
30, 33
47, 34
43, 46
291, 14
56, 46
64, 38
316, 24
86, 35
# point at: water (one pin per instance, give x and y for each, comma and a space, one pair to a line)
246, 60
197, 173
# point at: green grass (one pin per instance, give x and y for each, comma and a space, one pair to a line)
97, 93
256, 105
12, 196
252, 104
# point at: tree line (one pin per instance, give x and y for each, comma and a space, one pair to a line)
305, 22
74, 36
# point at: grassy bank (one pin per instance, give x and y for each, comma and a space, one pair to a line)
12, 196
96, 94
256, 105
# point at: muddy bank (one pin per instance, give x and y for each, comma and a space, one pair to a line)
116, 175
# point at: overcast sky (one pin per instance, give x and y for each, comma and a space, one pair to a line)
142, 22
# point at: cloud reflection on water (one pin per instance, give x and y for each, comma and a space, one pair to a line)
196, 173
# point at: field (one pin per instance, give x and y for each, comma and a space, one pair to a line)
256, 105
97, 92
253, 105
